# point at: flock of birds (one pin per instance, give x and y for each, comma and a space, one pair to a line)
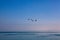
33, 20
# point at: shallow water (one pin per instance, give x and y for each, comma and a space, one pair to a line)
29, 36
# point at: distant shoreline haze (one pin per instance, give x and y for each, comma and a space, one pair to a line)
28, 32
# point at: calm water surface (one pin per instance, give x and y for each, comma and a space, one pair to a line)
29, 36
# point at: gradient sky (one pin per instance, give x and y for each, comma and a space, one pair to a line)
14, 15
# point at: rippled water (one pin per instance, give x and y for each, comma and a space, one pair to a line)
29, 36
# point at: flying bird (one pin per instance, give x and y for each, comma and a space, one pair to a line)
35, 20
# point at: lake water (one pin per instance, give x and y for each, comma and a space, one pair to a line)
29, 36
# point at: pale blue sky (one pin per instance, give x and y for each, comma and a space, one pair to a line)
14, 15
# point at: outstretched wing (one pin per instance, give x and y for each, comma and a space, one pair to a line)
32, 20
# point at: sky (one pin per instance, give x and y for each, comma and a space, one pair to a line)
14, 15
